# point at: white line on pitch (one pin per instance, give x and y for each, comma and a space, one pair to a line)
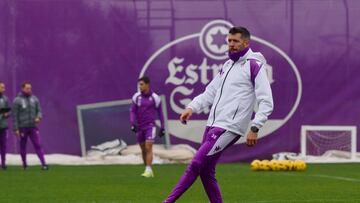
325, 176
337, 178
303, 200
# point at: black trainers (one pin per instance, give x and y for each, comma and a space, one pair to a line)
45, 167
4, 167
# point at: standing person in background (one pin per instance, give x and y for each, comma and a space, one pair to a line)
146, 104
27, 116
4, 115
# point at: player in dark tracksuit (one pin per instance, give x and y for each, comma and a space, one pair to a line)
4, 115
27, 115
146, 105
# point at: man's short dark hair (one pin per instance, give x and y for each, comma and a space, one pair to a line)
25, 83
145, 79
245, 34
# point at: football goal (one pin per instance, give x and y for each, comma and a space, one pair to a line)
329, 144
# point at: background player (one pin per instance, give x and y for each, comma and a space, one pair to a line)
146, 104
27, 116
4, 115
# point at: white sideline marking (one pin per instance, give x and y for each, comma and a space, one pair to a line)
326, 176
337, 178
308, 200
311, 200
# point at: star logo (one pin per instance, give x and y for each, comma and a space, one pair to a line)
213, 39
219, 39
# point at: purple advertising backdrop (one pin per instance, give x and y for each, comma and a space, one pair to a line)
85, 51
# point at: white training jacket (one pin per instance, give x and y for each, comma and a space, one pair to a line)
234, 92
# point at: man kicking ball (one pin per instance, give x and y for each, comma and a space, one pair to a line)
146, 104
241, 83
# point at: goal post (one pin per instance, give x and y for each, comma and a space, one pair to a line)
319, 143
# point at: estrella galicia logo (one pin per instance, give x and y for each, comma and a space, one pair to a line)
182, 68
213, 41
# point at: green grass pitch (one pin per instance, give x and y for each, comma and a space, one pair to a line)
122, 183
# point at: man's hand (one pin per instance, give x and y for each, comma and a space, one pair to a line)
185, 116
6, 115
37, 120
161, 132
134, 128
251, 138
17, 133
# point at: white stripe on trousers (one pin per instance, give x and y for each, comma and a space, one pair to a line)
153, 132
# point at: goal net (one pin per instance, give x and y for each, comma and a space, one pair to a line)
329, 144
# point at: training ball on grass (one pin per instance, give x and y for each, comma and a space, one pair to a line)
282, 165
300, 165
274, 165
255, 165
265, 165
291, 165
288, 164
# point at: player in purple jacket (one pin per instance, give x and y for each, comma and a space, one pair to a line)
146, 104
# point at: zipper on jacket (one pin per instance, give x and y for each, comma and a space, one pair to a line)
235, 112
28, 102
221, 90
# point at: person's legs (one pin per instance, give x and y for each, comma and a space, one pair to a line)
146, 150
207, 174
23, 141
3, 141
143, 152
200, 164
140, 137
148, 154
35, 139
210, 184
149, 134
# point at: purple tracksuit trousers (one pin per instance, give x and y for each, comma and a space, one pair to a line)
215, 140
33, 134
3, 140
